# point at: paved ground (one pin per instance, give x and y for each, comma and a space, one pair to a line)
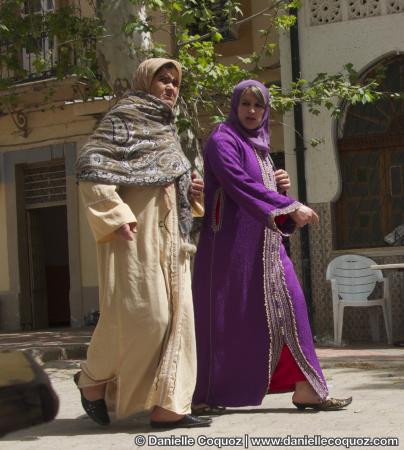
49, 345
72, 343
373, 376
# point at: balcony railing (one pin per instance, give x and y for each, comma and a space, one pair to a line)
22, 65
40, 56
41, 60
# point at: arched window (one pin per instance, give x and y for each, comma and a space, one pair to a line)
371, 153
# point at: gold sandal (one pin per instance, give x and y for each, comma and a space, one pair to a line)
329, 404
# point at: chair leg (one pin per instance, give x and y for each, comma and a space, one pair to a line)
335, 317
388, 325
340, 323
374, 324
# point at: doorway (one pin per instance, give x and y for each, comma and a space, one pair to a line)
49, 266
43, 245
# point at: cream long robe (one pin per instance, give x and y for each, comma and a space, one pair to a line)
144, 344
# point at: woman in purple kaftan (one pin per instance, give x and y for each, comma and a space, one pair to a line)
249, 307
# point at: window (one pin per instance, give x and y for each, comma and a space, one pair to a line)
38, 6
39, 57
221, 21
372, 167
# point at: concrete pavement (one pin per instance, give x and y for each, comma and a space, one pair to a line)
373, 376
51, 344
72, 343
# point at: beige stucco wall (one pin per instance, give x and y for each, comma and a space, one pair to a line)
86, 7
47, 126
251, 40
51, 121
261, 23
87, 245
50, 125
326, 48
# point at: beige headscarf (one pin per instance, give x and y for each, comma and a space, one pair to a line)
136, 143
145, 72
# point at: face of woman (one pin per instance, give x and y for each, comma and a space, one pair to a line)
165, 85
250, 111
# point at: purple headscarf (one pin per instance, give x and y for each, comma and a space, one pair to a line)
258, 138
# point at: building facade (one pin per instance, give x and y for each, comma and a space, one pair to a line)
48, 273
355, 177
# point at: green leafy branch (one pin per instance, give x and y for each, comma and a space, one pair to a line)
194, 28
72, 42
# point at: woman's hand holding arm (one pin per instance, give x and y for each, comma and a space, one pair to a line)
196, 189
126, 231
282, 180
304, 216
106, 211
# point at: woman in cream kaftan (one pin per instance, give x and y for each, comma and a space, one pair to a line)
135, 182
138, 281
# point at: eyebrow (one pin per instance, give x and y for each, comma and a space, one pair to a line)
256, 102
167, 75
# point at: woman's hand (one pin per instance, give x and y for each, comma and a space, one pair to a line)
304, 215
126, 231
282, 180
196, 189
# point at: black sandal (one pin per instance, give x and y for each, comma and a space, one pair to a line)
188, 421
96, 409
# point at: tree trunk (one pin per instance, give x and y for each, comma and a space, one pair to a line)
116, 55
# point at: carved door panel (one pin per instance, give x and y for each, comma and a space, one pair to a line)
361, 206
39, 298
371, 151
372, 198
23, 254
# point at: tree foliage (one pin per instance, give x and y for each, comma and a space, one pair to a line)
194, 28
70, 43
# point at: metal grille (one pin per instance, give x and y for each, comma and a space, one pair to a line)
45, 184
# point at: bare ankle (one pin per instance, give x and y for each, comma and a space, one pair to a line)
93, 393
304, 393
165, 415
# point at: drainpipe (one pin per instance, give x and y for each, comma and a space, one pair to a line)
301, 170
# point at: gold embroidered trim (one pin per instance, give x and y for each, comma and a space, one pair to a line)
218, 201
278, 212
165, 380
282, 327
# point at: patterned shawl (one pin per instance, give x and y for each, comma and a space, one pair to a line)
137, 144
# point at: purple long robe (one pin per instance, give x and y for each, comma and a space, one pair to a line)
248, 301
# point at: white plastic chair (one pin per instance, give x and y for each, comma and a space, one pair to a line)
352, 282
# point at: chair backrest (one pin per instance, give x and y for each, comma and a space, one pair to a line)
355, 280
